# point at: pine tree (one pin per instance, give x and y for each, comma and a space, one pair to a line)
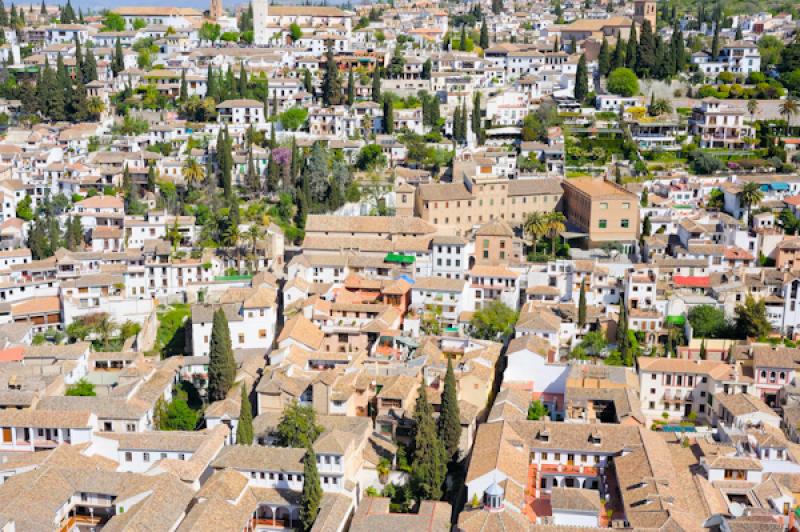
449, 424
484, 40
331, 84
376, 84
221, 367
351, 88
604, 59
581, 80
388, 114
244, 429
582, 305
312, 490
430, 456
632, 52
117, 58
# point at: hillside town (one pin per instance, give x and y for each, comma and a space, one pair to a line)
494, 265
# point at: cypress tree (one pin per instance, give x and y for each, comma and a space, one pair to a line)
427, 67
78, 111
618, 59
462, 40
151, 177
221, 367
484, 40
632, 53
388, 114
476, 119
703, 354
604, 59
582, 305
242, 81
211, 84
89, 67
581, 80
42, 9
117, 58
308, 83
647, 226
244, 429
457, 124
184, 90
351, 88
376, 84
449, 425
646, 58
78, 56
464, 122
3, 15
331, 84
738, 35
430, 456
715, 42
312, 490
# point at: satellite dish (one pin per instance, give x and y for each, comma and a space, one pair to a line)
736, 509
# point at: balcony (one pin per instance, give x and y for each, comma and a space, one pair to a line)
78, 521
270, 524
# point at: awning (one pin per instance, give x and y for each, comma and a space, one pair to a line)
399, 258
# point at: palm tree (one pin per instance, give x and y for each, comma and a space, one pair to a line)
104, 327
750, 195
253, 234
554, 224
95, 106
788, 109
752, 108
534, 227
192, 171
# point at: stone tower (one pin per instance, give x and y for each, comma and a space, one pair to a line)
645, 10
215, 10
260, 12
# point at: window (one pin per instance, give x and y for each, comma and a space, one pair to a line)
163, 456
146, 457
604, 205
626, 205
603, 224
624, 223
130, 427
129, 457
241, 338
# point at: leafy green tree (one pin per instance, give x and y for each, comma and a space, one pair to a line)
222, 366
298, 426
112, 22
244, 428
751, 318
370, 157
430, 456
25, 209
178, 416
312, 490
81, 388
708, 321
295, 32
494, 321
293, 119
623, 82
449, 424
210, 32
536, 410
